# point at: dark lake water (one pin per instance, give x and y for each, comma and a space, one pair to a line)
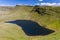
32, 28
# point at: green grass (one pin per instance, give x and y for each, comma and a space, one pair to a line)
10, 31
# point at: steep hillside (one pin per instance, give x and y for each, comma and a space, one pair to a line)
47, 17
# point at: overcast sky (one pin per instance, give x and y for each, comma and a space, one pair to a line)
29, 2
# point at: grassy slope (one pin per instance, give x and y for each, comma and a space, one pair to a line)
13, 32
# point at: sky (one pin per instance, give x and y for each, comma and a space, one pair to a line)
29, 2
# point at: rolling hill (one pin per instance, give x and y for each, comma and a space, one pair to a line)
15, 22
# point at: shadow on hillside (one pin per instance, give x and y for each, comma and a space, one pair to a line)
31, 28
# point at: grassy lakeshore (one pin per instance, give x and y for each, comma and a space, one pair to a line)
46, 16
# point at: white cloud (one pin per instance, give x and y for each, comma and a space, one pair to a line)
48, 4
12, 5
20, 4
25, 4
58, 4
6, 5
40, 0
